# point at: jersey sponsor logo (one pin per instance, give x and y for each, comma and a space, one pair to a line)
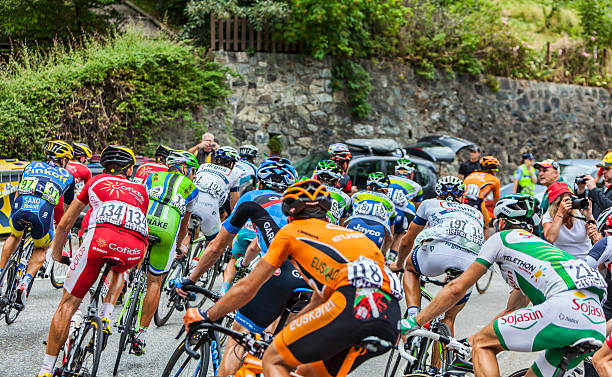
268, 231
328, 272
348, 236
315, 314
587, 308
157, 222
59, 175
521, 264
366, 231
124, 250
119, 189
516, 318
563, 317
277, 272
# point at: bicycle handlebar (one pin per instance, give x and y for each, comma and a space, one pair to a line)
252, 342
463, 349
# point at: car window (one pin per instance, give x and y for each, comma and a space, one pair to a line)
422, 175
307, 165
570, 172
390, 166
359, 171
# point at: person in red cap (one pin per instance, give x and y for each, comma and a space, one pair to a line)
564, 227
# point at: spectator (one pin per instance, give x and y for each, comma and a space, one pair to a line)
204, 150
600, 171
548, 173
468, 167
601, 199
563, 226
525, 176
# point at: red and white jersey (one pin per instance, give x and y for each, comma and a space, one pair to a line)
146, 170
81, 174
116, 203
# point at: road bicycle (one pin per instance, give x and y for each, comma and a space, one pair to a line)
129, 318
56, 271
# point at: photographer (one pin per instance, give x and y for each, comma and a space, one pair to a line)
569, 221
601, 199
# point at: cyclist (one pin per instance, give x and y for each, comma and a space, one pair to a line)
565, 292
341, 155
355, 293
244, 251
329, 173
117, 232
42, 186
148, 168
445, 234
246, 168
263, 208
78, 166
171, 198
407, 195
479, 184
373, 212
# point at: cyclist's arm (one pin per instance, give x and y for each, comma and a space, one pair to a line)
183, 228
602, 359
64, 226
243, 291
496, 193
452, 293
251, 252
407, 242
233, 197
517, 300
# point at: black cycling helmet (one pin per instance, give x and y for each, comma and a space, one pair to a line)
306, 199
162, 151
117, 156
81, 150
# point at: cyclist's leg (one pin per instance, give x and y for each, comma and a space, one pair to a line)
12, 242
485, 347
233, 353
486, 219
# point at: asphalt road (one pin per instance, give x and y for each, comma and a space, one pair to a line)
22, 349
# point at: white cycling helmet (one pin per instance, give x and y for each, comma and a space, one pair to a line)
450, 188
519, 209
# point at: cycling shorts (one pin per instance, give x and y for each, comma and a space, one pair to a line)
402, 221
36, 211
325, 335
375, 231
559, 321
164, 252
100, 244
435, 257
242, 241
271, 299
207, 208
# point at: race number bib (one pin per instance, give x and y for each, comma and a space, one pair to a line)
582, 275
123, 215
375, 209
27, 185
51, 194
397, 289
399, 198
465, 229
472, 191
334, 213
365, 273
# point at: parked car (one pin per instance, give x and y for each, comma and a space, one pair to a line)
370, 155
442, 148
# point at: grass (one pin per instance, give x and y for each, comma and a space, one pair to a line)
527, 19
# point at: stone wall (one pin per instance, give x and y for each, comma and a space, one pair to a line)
291, 95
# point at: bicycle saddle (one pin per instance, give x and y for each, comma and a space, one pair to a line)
585, 345
24, 223
154, 239
452, 273
112, 261
299, 299
375, 344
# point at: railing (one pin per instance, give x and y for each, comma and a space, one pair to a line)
237, 34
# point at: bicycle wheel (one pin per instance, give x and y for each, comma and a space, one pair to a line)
435, 355
227, 322
8, 280
181, 364
519, 373
168, 295
128, 322
484, 282
58, 274
87, 353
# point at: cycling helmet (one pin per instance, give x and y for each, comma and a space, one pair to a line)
225, 156
162, 151
339, 152
328, 172
450, 188
378, 181
81, 150
120, 156
489, 163
604, 220
306, 199
404, 167
276, 173
248, 151
519, 209
58, 149
178, 157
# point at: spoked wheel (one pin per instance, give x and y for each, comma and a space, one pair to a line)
129, 326
87, 352
519, 373
227, 322
168, 296
58, 274
484, 282
396, 365
434, 354
8, 295
181, 364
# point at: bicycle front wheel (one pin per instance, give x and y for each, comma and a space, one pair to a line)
484, 282
168, 296
58, 274
128, 321
8, 296
519, 373
87, 352
181, 364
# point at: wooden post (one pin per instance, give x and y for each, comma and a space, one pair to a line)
213, 42
220, 34
266, 38
236, 33
228, 33
258, 40
251, 36
243, 31
547, 53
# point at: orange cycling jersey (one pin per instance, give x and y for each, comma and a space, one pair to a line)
477, 186
330, 256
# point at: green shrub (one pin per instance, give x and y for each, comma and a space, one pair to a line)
123, 89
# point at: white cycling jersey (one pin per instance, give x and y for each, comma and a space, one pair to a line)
216, 181
453, 222
246, 173
601, 253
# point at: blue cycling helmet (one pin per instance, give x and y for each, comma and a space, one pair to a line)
276, 173
226, 156
450, 188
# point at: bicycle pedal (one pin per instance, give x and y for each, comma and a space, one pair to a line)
18, 307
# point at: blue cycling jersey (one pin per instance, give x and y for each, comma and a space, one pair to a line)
47, 183
264, 209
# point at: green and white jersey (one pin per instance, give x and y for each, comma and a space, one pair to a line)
172, 190
411, 190
341, 204
374, 206
539, 269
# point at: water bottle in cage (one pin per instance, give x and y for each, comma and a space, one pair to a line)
75, 322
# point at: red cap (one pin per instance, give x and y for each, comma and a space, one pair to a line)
557, 189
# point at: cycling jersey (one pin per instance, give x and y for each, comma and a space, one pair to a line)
117, 230
453, 222
373, 206
42, 187
216, 181
477, 186
601, 253
345, 183
243, 239
146, 170
171, 196
411, 190
246, 173
341, 204
81, 174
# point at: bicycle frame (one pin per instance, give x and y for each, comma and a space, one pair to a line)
22, 254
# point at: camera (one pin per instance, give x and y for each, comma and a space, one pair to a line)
580, 203
580, 180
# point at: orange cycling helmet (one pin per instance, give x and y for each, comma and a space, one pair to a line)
489, 163
309, 198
